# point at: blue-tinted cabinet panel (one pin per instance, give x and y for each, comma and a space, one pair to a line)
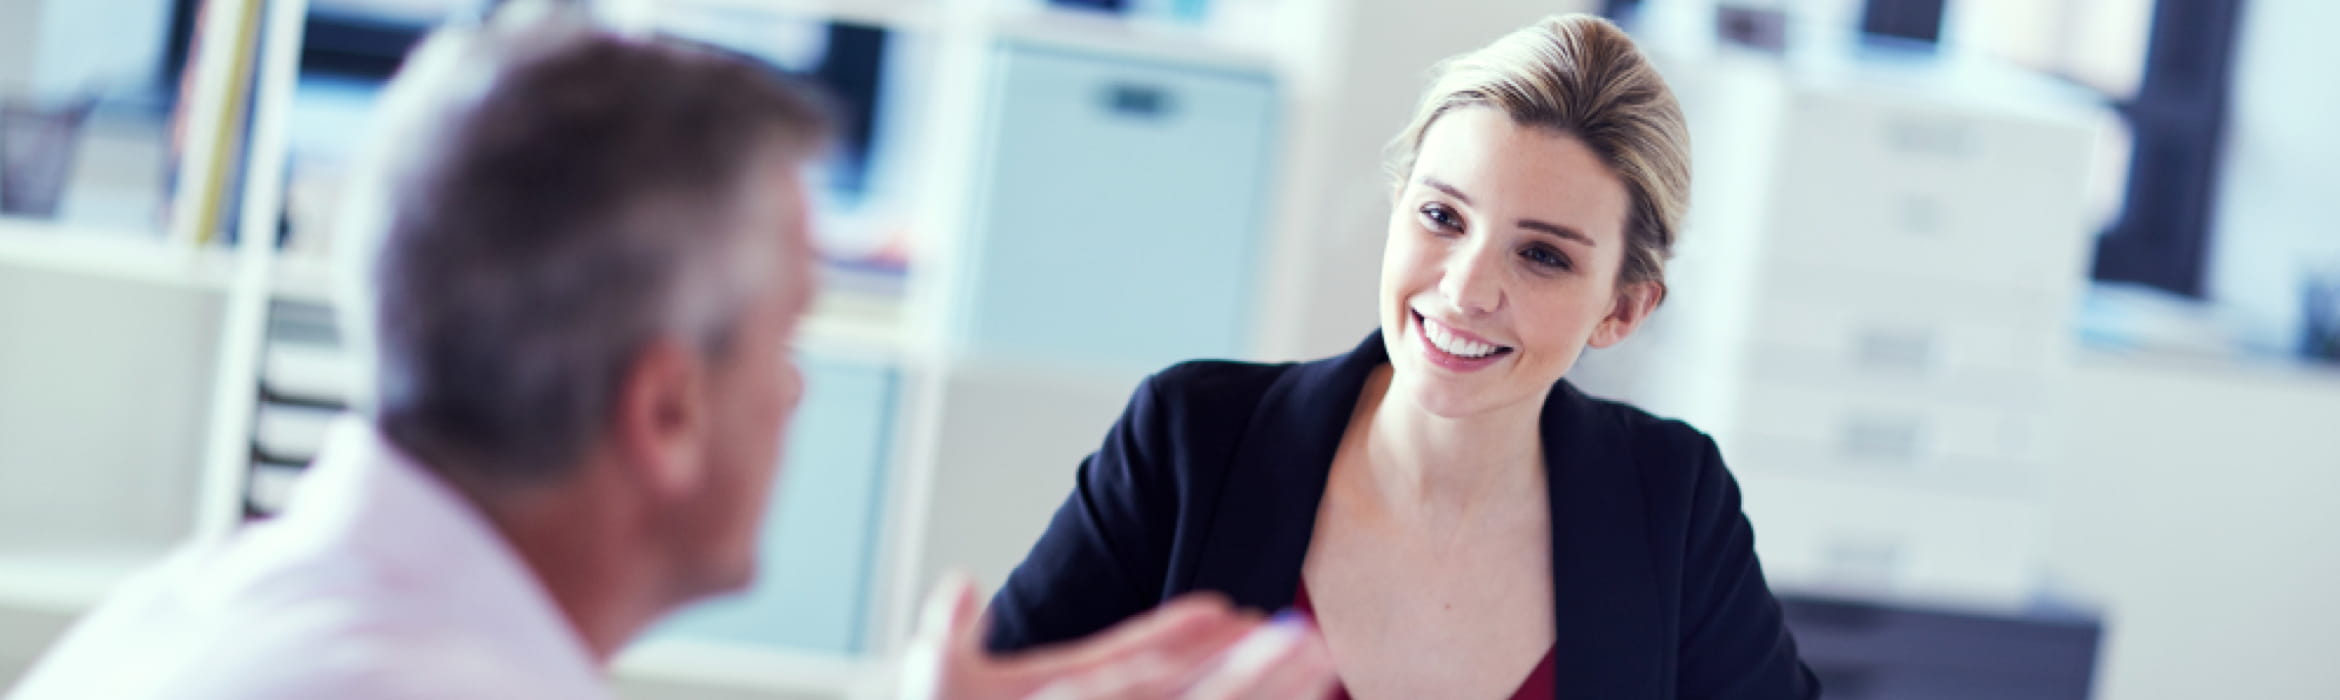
1119, 210
812, 587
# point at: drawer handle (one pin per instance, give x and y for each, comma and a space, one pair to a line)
1863, 561
1882, 438
1138, 102
1894, 349
1932, 137
1921, 215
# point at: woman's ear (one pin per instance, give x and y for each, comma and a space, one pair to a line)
1632, 305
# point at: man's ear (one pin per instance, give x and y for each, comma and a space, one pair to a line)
661, 423
1632, 305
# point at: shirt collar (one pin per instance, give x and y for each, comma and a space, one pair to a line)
376, 502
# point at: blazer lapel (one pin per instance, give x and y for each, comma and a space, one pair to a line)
1604, 581
1258, 537
1611, 639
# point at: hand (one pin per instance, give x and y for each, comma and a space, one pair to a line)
1197, 646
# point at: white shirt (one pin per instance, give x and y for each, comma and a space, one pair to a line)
378, 581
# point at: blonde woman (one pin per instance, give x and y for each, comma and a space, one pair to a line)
1458, 519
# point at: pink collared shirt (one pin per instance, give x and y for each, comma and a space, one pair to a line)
378, 581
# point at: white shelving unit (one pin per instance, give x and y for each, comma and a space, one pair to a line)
104, 310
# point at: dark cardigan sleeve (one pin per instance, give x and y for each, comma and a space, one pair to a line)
1103, 556
1734, 643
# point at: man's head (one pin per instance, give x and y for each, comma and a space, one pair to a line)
581, 257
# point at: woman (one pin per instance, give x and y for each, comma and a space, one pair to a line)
1461, 522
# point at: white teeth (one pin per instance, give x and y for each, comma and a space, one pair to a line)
1446, 340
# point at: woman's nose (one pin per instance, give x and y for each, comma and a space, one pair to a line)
1470, 281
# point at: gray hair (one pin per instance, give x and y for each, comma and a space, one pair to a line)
544, 200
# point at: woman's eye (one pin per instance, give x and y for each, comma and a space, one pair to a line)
1546, 257
1440, 217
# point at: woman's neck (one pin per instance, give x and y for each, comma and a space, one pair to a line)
1438, 466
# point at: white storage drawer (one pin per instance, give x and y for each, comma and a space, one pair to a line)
1858, 134
1907, 229
1947, 358
1092, 241
1975, 197
1878, 293
1881, 428
1818, 534
1765, 456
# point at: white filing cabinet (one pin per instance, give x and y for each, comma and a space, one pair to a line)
1871, 305
1121, 209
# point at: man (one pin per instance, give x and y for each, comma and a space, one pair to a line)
581, 259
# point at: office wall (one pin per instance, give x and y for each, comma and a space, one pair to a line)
2196, 507
1007, 448
2275, 210
20, 22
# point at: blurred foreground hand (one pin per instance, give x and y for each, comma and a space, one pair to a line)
1197, 647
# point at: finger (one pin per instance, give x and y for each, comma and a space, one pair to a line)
1250, 667
969, 619
933, 651
1187, 629
1305, 671
948, 611
1142, 677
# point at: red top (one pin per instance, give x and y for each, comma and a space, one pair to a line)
1539, 685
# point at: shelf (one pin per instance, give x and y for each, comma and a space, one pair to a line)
296, 433
852, 324
69, 582
746, 668
1134, 37
303, 278
307, 373
888, 14
127, 255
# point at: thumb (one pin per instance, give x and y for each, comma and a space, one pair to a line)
945, 621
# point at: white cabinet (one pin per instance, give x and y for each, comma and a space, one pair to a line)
1121, 209
1879, 276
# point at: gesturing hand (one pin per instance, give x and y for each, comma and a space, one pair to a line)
1197, 646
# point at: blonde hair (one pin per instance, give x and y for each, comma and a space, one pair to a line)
1582, 76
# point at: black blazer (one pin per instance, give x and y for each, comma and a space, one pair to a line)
1211, 478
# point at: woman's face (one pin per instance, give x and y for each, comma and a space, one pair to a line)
1501, 264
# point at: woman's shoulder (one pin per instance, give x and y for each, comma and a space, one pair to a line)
1668, 453
1202, 399
1215, 382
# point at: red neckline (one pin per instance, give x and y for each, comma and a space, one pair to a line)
1541, 682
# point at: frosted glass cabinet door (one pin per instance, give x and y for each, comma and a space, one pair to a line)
1119, 210
812, 585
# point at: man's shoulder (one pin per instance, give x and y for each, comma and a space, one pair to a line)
196, 628
293, 648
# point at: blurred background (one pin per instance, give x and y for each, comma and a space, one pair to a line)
2018, 320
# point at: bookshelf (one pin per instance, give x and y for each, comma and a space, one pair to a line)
114, 326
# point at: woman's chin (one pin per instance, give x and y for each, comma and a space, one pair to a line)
1441, 397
